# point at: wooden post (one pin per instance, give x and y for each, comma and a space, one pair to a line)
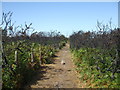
1, 51
16, 57
40, 54
32, 58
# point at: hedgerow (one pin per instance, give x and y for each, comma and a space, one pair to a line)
23, 53
97, 56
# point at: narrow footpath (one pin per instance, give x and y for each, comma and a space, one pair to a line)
58, 75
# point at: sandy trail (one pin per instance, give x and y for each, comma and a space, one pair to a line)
57, 75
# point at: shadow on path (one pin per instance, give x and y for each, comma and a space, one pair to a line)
57, 75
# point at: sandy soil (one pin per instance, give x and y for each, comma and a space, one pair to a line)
57, 75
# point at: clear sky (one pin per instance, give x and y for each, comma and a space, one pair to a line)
65, 17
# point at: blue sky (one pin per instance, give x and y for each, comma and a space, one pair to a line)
65, 17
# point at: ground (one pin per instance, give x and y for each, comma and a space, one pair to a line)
57, 75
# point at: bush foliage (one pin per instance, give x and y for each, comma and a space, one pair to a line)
24, 53
97, 56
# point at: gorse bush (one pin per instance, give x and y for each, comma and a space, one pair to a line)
96, 67
23, 54
105, 40
28, 61
97, 55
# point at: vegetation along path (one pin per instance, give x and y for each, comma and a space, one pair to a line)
58, 75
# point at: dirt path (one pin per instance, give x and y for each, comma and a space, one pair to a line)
57, 75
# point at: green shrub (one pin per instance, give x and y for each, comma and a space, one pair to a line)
93, 65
